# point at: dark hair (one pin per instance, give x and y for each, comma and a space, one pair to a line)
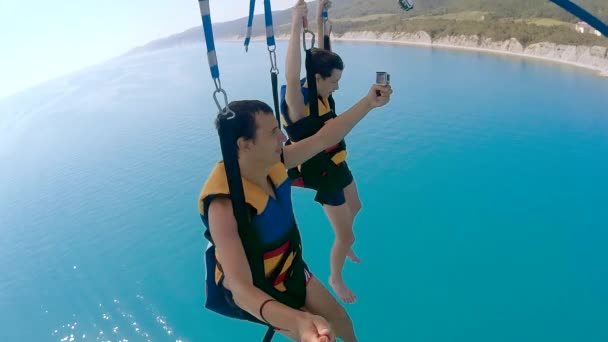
325, 61
243, 124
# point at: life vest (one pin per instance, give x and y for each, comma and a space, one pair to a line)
326, 170
272, 244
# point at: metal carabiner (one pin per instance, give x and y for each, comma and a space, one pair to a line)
273, 59
312, 43
226, 111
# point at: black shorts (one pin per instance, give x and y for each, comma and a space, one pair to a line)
336, 197
330, 191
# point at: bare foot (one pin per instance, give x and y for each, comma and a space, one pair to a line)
353, 257
343, 292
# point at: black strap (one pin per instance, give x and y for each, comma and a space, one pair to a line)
269, 335
237, 197
275, 97
237, 194
233, 174
327, 46
313, 103
277, 270
332, 103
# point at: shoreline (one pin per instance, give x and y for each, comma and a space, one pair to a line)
599, 71
352, 37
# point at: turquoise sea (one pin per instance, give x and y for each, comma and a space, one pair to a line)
484, 186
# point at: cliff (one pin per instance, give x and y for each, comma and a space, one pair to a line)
591, 57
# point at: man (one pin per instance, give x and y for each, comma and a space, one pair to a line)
259, 277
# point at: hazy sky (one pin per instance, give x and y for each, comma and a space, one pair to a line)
40, 40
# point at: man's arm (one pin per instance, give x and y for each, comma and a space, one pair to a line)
336, 129
293, 64
237, 274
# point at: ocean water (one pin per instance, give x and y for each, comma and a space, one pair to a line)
484, 188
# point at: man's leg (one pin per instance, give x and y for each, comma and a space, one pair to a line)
320, 302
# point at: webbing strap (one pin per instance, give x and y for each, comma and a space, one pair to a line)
583, 14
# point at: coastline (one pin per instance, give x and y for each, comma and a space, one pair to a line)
592, 58
600, 71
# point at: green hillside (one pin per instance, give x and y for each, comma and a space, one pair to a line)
498, 8
529, 21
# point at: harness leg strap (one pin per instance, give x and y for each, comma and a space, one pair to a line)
269, 335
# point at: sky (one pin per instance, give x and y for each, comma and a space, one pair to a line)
41, 40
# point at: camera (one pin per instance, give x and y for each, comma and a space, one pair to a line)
383, 78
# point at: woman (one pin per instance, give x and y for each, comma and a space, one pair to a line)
327, 173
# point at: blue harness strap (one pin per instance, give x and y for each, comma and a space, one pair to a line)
212, 59
326, 29
269, 27
270, 42
209, 41
267, 20
249, 24
583, 15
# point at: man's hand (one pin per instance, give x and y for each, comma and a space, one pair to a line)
312, 328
